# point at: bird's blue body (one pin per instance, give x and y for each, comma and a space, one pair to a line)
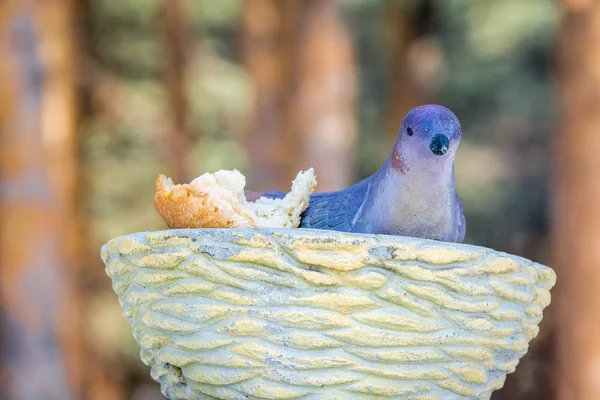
412, 194
333, 210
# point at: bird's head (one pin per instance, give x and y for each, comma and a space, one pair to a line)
428, 137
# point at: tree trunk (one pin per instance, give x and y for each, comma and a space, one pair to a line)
301, 61
414, 59
400, 33
269, 42
327, 96
39, 240
176, 46
576, 229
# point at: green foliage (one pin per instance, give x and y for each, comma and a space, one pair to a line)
125, 154
495, 77
497, 65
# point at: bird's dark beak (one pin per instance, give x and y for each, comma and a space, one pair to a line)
439, 144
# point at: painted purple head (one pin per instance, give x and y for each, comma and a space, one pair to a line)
428, 137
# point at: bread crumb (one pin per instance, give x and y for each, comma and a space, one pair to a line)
217, 200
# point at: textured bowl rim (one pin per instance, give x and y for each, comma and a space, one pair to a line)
311, 231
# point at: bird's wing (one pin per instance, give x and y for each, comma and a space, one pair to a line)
336, 210
332, 210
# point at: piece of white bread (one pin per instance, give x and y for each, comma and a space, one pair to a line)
217, 200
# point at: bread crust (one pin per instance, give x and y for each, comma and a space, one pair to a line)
181, 206
217, 200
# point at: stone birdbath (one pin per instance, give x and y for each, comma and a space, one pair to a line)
314, 314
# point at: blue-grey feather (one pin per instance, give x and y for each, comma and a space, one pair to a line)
331, 210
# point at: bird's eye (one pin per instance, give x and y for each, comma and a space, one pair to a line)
409, 131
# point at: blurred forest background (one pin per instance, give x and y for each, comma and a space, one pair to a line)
99, 96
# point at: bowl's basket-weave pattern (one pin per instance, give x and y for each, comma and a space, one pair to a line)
286, 314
